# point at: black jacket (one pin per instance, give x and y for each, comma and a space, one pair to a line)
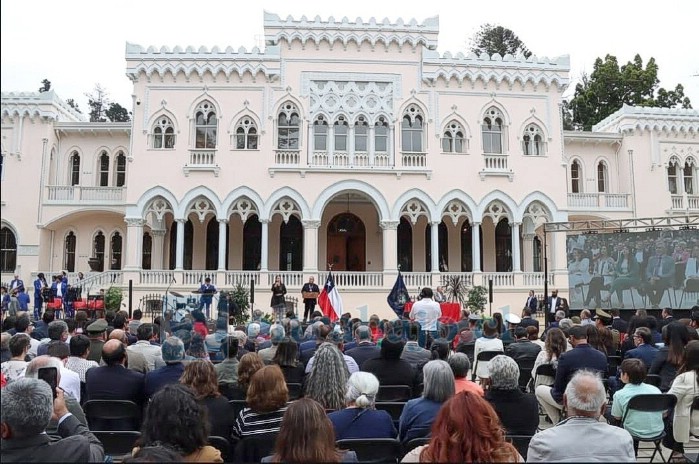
518, 412
523, 351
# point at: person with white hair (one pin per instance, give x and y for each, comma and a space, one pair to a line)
582, 437
359, 419
27, 408
276, 334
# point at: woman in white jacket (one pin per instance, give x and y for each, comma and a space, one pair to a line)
686, 388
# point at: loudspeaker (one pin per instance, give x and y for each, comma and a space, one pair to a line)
490, 290
252, 291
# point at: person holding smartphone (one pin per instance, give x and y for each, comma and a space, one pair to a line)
23, 428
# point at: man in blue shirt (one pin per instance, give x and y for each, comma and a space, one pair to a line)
23, 300
207, 295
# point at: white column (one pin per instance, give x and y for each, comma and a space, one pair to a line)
222, 244
310, 144
157, 252
179, 253
265, 245
390, 242
476, 246
391, 151
350, 144
331, 143
371, 147
134, 243
434, 244
310, 245
516, 267
528, 252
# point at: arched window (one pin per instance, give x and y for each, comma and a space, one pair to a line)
291, 245
320, 134
341, 128
8, 250
75, 168
288, 127
252, 244
602, 177
412, 129
672, 176
205, 125
246, 134
575, 176
381, 135
147, 251
163, 133
533, 141
116, 247
453, 139
361, 135
98, 250
536, 253
120, 169
492, 130
104, 169
503, 246
69, 252
688, 175
405, 245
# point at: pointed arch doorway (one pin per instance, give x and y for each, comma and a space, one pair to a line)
347, 243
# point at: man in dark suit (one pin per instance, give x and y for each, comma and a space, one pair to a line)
667, 317
522, 349
365, 349
528, 320
618, 323
532, 302
645, 350
114, 382
582, 356
173, 355
555, 303
23, 426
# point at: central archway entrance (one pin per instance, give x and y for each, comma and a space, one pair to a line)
347, 243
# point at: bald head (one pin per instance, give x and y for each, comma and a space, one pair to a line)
118, 334
114, 352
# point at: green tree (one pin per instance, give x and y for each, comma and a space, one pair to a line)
610, 86
117, 113
98, 102
45, 86
72, 104
491, 38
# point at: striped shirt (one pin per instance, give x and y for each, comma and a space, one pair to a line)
250, 423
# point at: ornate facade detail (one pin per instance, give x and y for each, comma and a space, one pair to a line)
414, 209
202, 207
389, 225
497, 211
134, 222
244, 208
159, 207
456, 210
537, 212
310, 224
351, 98
286, 207
630, 118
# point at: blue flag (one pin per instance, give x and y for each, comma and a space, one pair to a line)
398, 296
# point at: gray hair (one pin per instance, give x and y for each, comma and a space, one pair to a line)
32, 370
27, 406
439, 381
560, 315
257, 315
56, 329
504, 373
172, 350
276, 333
253, 329
327, 381
363, 333
459, 364
565, 323
585, 391
241, 336
361, 389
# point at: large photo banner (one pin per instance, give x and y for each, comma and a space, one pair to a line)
630, 270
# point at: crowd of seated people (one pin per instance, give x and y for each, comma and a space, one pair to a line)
355, 380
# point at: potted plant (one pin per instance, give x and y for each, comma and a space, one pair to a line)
455, 289
112, 299
477, 299
240, 295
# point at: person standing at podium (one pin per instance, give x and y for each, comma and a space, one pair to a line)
309, 291
207, 294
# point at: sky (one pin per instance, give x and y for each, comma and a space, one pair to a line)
77, 44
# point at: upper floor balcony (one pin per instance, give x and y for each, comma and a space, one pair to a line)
685, 203
599, 201
73, 195
202, 160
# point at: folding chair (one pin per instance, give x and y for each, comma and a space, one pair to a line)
653, 379
483, 356
295, 391
118, 443
116, 415
394, 393
237, 406
525, 373
373, 450
394, 408
651, 403
613, 362
253, 449
223, 445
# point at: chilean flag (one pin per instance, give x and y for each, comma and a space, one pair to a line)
329, 300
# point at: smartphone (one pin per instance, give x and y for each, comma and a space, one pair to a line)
50, 376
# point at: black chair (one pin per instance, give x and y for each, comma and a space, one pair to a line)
373, 449
253, 449
394, 393
525, 372
653, 379
237, 406
223, 445
112, 415
650, 403
414, 443
521, 442
83, 393
545, 370
468, 349
484, 356
613, 362
232, 392
394, 408
295, 391
117, 443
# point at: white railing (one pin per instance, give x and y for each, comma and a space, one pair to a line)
598, 200
693, 202
417, 279
202, 157
234, 278
341, 158
495, 162
583, 200
466, 277
359, 159
414, 160
102, 193
289, 278
159, 277
103, 280
349, 279
290, 157
500, 279
197, 277
60, 192
677, 202
616, 200
535, 279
